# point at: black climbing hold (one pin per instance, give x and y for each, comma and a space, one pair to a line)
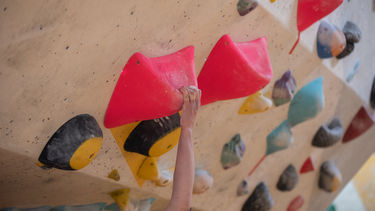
352, 32
288, 179
328, 134
148, 132
246, 6
73, 145
372, 95
259, 200
349, 48
330, 177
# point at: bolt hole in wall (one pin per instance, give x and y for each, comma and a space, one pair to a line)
359, 193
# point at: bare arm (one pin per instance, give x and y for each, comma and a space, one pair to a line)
184, 172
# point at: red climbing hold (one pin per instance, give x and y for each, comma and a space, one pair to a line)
148, 87
307, 166
296, 204
361, 122
234, 70
310, 11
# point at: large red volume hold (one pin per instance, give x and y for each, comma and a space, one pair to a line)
148, 87
307, 166
234, 70
310, 11
361, 122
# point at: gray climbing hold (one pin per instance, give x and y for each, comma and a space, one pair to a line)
352, 35
284, 89
372, 95
330, 177
202, 181
349, 48
232, 152
352, 32
243, 188
288, 179
246, 6
259, 200
328, 134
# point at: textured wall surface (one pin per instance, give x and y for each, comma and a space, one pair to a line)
63, 58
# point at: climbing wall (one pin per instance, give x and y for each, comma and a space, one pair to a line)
60, 59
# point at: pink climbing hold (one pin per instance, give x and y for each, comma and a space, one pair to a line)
310, 11
361, 122
235, 70
296, 203
148, 87
307, 166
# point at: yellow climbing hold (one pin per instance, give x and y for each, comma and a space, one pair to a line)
85, 153
255, 103
134, 160
114, 175
149, 169
121, 197
165, 144
272, 1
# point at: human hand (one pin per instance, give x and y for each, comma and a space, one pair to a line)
192, 102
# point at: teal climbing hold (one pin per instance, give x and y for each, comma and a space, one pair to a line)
307, 103
280, 138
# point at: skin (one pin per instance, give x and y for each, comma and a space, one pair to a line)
184, 173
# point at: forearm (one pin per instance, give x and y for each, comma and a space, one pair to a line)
184, 172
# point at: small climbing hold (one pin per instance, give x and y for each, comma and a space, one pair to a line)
259, 200
284, 89
361, 122
149, 169
165, 178
331, 207
330, 40
114, 175
145, 204
349, 48
246, 6
352, 35
330, 177
352, 32
148, 87
328, 134
74, 145
288, 179
232, 152
255, 103
372, 94
234, 70
307, 166
296, 203
243, 188
307, 103
353, 71
87, 207
121, 197
280, 138
154, 137
202, 181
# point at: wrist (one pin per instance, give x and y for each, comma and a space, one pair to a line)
186, 130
